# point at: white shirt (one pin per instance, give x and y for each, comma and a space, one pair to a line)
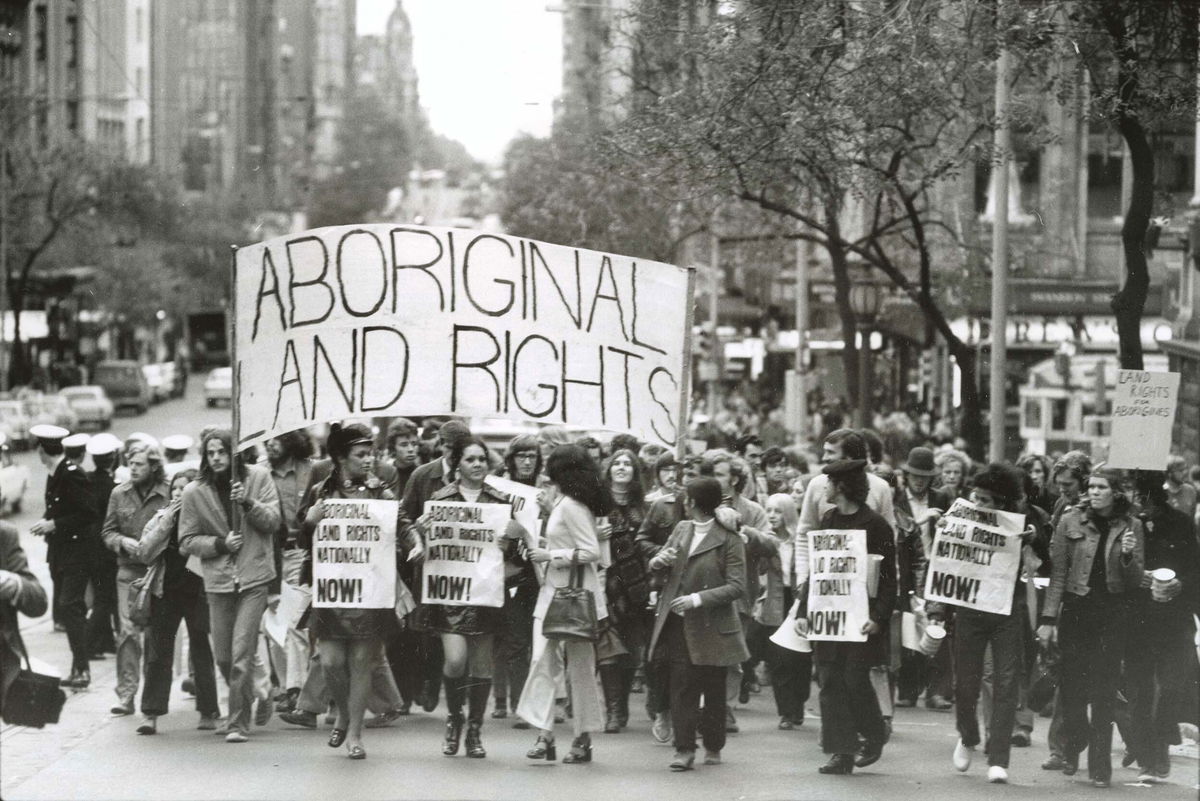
699, 532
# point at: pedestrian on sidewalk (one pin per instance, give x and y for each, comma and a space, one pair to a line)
177, 595
20, 591
238, 565
69, 528
103, 622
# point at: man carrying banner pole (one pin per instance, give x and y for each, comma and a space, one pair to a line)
997, 488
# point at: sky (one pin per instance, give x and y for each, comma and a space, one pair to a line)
488, 69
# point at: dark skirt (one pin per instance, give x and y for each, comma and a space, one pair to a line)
465, 620
349, 624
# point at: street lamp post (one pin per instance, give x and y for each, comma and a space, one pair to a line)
866, 297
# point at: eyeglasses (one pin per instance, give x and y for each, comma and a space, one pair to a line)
526, 456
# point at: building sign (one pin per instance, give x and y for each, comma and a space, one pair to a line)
1034, 331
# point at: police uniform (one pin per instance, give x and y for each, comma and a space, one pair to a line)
70, 548
103, 622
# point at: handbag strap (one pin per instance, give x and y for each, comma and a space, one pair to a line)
576, 580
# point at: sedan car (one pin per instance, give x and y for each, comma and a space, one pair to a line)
91, 405
218, 386
50, 410
14, 480
159, 389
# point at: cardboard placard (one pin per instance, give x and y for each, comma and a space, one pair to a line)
464, 558
975, 558
354, 555
385, 319
837, 585
1143, 414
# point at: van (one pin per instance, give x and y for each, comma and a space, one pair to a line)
125, 384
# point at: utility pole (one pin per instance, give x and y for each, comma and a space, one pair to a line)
1003, 152
714, 297
804, 254
4, 310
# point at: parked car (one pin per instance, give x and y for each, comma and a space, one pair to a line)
159, 389
172, 379
14, 480
219, 386
91, 406
15, 423
124, 383
50, 410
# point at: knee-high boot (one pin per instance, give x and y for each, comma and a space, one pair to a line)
454, 721
478, 691
628, 674
610, 682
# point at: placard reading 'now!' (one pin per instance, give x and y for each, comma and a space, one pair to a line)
407, 320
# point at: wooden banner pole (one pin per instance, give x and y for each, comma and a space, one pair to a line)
685, 377
231, 314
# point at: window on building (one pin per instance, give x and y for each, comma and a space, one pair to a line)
1104, 185
1058, 413
73, 116
40, 33
72, 42
1033, 413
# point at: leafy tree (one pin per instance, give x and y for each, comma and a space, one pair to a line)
852, 120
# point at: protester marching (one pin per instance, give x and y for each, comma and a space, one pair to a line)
614, 572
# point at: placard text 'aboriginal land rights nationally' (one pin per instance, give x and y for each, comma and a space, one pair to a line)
408, 320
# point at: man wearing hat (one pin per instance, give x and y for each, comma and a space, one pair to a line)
74, 447
69, 526
103, 622
918, 507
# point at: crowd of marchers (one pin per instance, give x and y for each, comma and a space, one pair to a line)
692, 565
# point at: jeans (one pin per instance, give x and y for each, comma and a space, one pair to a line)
103, 622
70, 588
181, 600
514, 646
1091, 634
974, 632
1160, 663
236, 617
129, 637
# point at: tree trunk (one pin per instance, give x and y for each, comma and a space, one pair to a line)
970, 423
841, 287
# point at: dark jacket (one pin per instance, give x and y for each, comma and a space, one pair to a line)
717, 573
1170, 542
1073, 548
71, 504
31, 602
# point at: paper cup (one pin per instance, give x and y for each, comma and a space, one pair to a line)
1159, 579
874, 561
931, 639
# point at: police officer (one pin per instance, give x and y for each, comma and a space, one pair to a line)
74, 447
103, 622
69, 526
175, 454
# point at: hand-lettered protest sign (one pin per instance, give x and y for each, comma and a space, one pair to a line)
354, 555
1142, 417
975, 558
408, 320
524, 504
464, 561
837, 585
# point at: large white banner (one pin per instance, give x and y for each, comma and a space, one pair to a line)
354, 555
837, 585
376, 320
1142, 417
464, 558
975, 558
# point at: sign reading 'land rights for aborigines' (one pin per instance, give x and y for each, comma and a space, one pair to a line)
408, 320
464, 557
975, 558
837, 586
354, 555
1142, 418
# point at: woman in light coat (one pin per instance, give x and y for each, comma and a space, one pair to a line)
574, 498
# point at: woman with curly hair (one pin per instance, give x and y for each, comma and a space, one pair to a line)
573, 500
1038, 468
627, 589
350, 641
953, 471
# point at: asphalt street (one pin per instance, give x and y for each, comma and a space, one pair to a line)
90, 755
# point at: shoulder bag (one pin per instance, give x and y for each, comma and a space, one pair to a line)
572, 611
141, 591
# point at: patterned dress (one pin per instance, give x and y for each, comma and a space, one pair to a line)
627, 581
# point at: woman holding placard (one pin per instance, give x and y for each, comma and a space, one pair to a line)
1096, 563
467, 632
570, 546
348, 640
997, 487
849, 705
